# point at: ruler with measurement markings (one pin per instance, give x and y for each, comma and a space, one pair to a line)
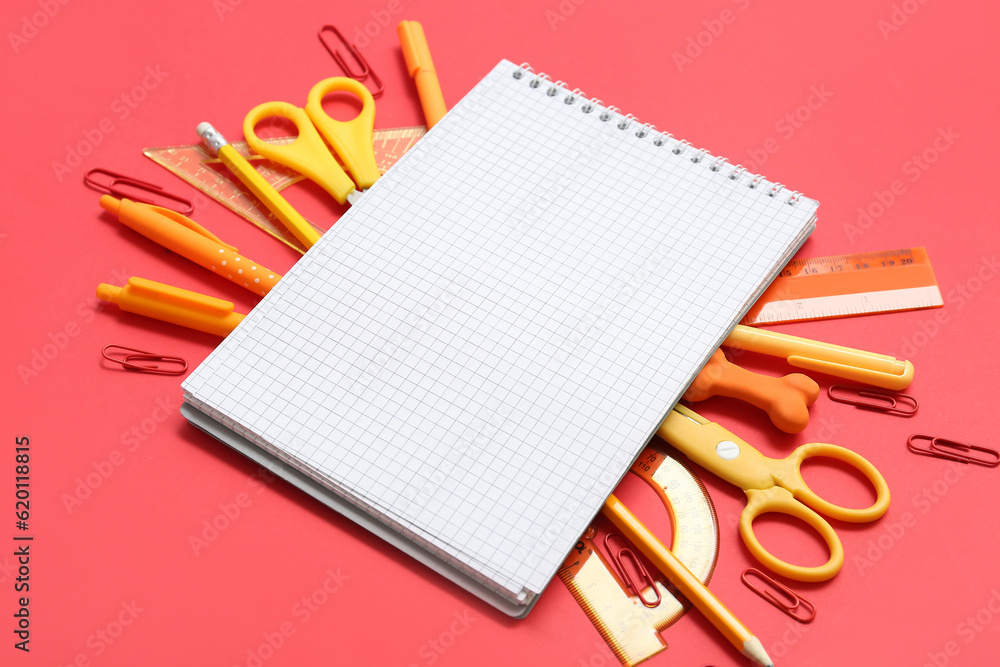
847, 285
195, 165
630, 628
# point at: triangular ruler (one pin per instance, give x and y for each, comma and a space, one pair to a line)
208, 174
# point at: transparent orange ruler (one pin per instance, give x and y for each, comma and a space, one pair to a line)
626, 620
846, 285
207, 173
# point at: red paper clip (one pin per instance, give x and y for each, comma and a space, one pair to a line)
883, 401
617, 559
114, 187
794, 600
129, 356
338, 57
951, 450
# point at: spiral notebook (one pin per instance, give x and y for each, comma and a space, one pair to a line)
468, 362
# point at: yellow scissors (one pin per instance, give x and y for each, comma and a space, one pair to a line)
352, 140
774, 486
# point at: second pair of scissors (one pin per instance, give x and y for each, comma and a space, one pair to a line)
352, 140
774, 486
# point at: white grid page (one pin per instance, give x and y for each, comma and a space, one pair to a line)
480, 347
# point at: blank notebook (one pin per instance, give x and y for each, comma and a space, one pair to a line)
472, 357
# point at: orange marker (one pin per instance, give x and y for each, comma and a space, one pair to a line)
189, 239
421, 68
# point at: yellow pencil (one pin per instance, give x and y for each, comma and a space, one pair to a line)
277, 204
688, 584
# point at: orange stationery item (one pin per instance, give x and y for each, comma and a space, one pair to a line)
189, 239
786, 400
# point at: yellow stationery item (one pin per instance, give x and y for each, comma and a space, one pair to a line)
687, 583
303, 231
774, 486
352, 139
174, 305
844, 362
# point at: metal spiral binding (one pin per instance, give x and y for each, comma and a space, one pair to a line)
646, 130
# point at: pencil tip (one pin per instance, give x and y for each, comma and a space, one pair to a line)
753, 649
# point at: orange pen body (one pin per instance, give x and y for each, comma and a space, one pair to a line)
188, 239
174, 305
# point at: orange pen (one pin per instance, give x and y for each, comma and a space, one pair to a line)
421, 68
189, 239
173, 304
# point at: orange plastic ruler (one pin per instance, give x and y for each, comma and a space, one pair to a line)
630, 628
845, 285
207, 173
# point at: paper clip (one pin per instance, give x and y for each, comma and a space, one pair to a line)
114, 187
618, 560
883, 401
794, 603
952, 450
334, 51
129, 356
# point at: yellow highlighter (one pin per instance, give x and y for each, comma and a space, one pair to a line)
277, 204
878, 370
421, 69
172, 304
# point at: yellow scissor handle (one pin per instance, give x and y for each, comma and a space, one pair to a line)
307, 154
777, 500
352, 139
788, 473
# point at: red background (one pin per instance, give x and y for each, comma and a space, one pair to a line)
893, 74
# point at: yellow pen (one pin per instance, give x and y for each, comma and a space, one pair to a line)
844, 362
174, 305
421, 69
277, 204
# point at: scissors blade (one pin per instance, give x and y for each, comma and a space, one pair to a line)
354, 196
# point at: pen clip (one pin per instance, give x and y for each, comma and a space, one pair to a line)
180, 297
882, 379
190, 224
